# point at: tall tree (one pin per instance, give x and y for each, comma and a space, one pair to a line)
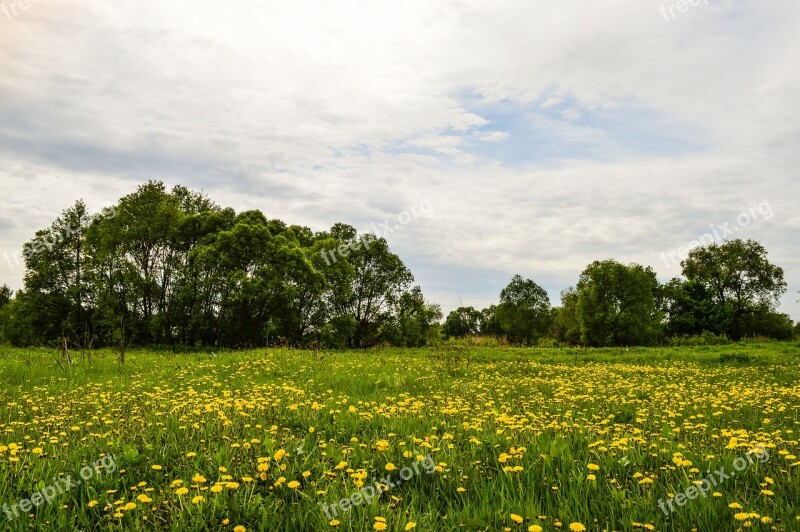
55, 277
690, 309
618, 304
524, 311
5, 295
567, 325
417, 322
366, 289
738, 278
461, 322
490, 323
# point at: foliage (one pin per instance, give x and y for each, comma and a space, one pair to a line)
738, 279
524, 311
617, 304
172, 267
464, 321
567, 324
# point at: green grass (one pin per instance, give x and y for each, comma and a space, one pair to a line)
543, 415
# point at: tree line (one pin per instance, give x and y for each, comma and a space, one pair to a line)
172, 267
726, 291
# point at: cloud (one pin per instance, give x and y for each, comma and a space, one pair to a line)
545, 135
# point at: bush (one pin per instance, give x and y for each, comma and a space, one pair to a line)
476, 341
706, 338
548, 342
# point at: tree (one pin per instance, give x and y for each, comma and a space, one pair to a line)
764, 322
366, 286
738, 278
618, 304
5, 303
524, 311
490, 323
417, 322
57, 292
170, 266
690, 309
567, 325
5, 295
463, 321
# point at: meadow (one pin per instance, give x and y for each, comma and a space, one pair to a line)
508, 439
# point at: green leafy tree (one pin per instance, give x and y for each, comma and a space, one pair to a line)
367, 287
618, 305
417, 322
764, 322
57, 293
5, 301
690, 309
461, 322
738, 278
5, 295
169, 266
490, 323
566, 324
524, 311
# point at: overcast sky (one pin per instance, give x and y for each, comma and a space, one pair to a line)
543, 135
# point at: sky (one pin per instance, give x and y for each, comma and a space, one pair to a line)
491, 137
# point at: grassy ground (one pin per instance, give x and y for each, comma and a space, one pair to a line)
502, 439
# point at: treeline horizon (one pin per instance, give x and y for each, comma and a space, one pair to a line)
172, 267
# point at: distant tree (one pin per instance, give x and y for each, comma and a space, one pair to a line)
797, 330
690, 309
416, 322
618, 304
170, 266
463, 321
5, 302
524, 311
490, 323
57, 292
365, 284
738, 278
5, 295
567, 325
763, 322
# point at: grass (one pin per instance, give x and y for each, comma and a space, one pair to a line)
519, 438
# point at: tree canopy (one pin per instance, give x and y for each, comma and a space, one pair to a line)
171, 267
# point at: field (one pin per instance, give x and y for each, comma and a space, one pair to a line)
472, 439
